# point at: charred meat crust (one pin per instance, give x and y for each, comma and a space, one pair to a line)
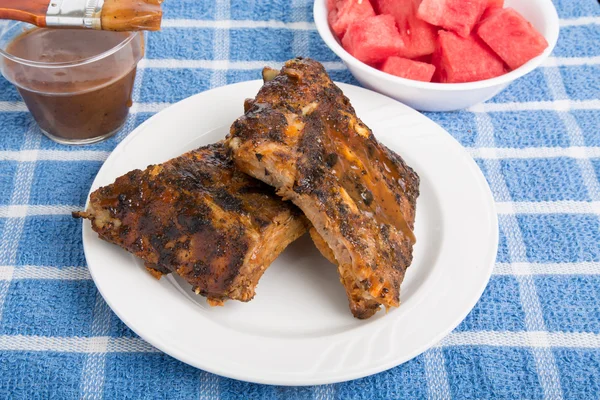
200, 217
301, 135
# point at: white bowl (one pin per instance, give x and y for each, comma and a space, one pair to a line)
428, 96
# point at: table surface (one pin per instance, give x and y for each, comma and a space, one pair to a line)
535, 333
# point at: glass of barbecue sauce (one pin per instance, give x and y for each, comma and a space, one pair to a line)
77, 83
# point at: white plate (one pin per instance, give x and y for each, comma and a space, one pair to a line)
298, 330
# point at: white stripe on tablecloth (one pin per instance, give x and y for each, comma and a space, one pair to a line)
174, 63
208, 383
87, 345
301, 25
237, 24
300, 42
157, 63
479, 153
10, 235
8, 272
53, 155
209, 386
12, 106
74, 344
579, 21
547, 207
544, 359
557, 88
435, 373
524, 268
534, 320
534, 339
491, 153
21, 210
129, 345
570, 61
148, 107
221, 44
92, 373
558, 105
221, 64
541, 207
324, 392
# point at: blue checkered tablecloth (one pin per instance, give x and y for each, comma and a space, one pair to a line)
535, 333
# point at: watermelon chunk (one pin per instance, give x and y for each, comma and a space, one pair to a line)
373, 40
424, 59
408, 69
489, 12
459, 59
495, 3
342, 13
512, 37
418, 36
493, 6
459, 16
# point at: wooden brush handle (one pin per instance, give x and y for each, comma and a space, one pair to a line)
31, 11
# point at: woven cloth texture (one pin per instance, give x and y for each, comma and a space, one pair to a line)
535, 333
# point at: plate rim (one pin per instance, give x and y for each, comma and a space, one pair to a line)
488, 263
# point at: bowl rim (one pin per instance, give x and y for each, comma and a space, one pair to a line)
547, 9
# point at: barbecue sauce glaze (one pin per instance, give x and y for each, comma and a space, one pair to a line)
131, 15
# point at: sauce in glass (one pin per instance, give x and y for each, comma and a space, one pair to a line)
87, 95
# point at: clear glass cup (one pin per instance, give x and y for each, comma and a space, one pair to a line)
79, 101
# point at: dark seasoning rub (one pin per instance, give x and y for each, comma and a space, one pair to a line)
301, 135
198, 216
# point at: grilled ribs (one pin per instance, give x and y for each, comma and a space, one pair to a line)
301, 135
198, 216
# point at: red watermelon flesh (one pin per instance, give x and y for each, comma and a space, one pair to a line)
459, 59
489, 12
342, 13
424, 59
512, 37
373, 40
408, 69
459, 16
418, 36
495, 3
